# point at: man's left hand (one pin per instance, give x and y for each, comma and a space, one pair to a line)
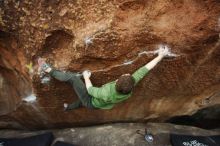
86, 74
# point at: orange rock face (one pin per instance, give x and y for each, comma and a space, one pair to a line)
109, 38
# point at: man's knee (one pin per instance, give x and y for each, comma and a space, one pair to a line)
74, 78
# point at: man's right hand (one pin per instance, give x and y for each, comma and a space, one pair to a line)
163, 51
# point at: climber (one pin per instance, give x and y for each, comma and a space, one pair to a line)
108, 95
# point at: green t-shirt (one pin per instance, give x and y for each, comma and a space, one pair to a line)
106, 97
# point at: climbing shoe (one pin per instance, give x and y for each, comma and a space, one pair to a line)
43, 66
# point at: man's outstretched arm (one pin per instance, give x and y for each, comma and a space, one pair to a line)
163, 51
141, 72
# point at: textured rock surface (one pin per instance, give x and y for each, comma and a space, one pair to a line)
116, 32
207, 118
117, 134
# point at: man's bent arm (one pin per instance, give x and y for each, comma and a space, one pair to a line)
93, 91
88, 82
86, 76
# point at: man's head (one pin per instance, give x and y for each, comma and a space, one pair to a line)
125, 84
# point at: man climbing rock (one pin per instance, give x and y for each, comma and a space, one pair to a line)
108, 95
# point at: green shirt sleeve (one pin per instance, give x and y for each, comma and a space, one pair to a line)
95, 92
139, 74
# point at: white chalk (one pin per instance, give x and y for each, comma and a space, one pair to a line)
170, 54
31, 98
128, 62
45, 80
88, 40
146, 52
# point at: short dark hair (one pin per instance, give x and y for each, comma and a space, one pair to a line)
125, 84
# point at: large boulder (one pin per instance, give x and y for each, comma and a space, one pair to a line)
109, 38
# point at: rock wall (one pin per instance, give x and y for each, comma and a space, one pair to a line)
109, 38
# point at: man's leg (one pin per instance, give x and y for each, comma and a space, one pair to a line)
73, 105
61, 76
78, 86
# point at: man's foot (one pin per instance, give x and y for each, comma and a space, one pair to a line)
65, 105
43, 66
